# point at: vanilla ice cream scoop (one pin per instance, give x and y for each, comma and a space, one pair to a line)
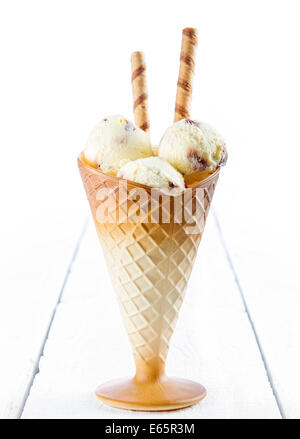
115, 141
154, 172
192, 146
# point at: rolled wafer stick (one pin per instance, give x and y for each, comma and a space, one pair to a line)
186, 73
139, 91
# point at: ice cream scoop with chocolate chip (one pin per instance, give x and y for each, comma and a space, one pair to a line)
153, 172
114, 142
192, 146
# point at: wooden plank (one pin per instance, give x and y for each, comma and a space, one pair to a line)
213, 343
32, 276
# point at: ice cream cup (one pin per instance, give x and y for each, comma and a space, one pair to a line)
150, 261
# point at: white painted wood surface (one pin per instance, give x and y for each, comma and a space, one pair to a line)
31, 281
213, 343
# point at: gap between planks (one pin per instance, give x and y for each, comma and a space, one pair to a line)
236, 279
41, 352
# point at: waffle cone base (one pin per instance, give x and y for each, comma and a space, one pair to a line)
159, 395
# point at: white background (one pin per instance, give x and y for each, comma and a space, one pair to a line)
64, 66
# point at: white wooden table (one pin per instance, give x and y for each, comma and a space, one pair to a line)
238, 331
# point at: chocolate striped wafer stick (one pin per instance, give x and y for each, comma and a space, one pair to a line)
186, 73
139, 91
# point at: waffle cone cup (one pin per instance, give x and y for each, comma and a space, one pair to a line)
150, 256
